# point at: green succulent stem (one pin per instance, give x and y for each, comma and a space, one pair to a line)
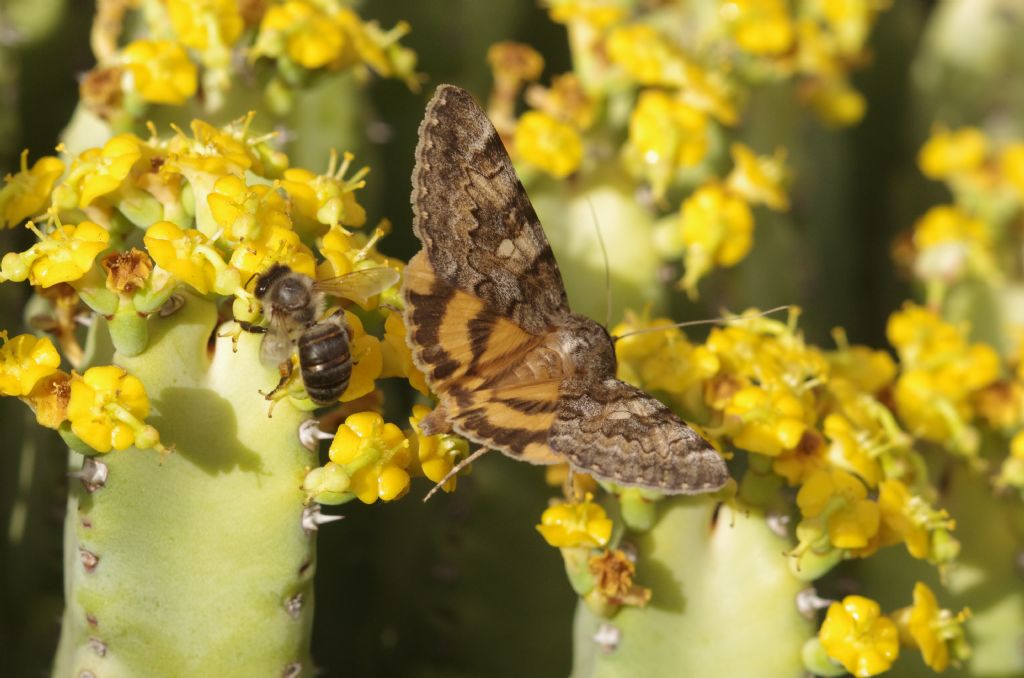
716, 576
193, 562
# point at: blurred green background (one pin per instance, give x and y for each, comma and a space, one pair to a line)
463, 586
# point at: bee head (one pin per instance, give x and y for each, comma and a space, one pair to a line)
267, 279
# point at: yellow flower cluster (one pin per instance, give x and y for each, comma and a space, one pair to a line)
941, 377
813, 418
371, 459
213, 209
638, 74
105, 407
957, 242
187, 43
815, 41
576, 525
866, 642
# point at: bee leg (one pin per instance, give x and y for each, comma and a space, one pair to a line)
245, 326
285, 369
249, 327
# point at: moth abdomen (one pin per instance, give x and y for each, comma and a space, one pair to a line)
325, 361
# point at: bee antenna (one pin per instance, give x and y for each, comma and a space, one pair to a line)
246, 285
712, 321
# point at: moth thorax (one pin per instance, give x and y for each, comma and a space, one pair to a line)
586, 346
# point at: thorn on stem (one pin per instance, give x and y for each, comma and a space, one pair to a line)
93, 474
608, 637
312, 518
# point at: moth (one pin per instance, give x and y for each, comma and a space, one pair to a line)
490, 326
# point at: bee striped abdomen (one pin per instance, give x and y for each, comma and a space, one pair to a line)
325, 361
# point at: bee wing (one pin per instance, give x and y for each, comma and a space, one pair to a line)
359, 285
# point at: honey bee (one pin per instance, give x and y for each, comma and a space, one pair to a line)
294, 305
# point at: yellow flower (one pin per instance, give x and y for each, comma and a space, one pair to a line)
834, 100
799, 463
49, 399
949, 153
367, 359
949, 243
909, 518
761, 27
547, 143
397, 356
766, 422
275, 245
327, 198
200, 23
868, 369
99, 171
106, 410
1011, 166
185, 254
375, 456
435, 455
937, 632
63, 255
303, 31
575, 525
856, 634
25, 360
565, 100
27, 193
646, 56
597, 13
159, 71
849, 22
941, 375
717, 228
1011, 473
243, 212
847, 448
211, 153
840, 499
758, 179
513, 63
666, 133
918, 334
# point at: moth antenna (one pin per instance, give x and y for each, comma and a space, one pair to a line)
607, 267
713, 321
455, 469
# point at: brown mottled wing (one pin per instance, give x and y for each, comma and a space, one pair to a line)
619, 433
479, 230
